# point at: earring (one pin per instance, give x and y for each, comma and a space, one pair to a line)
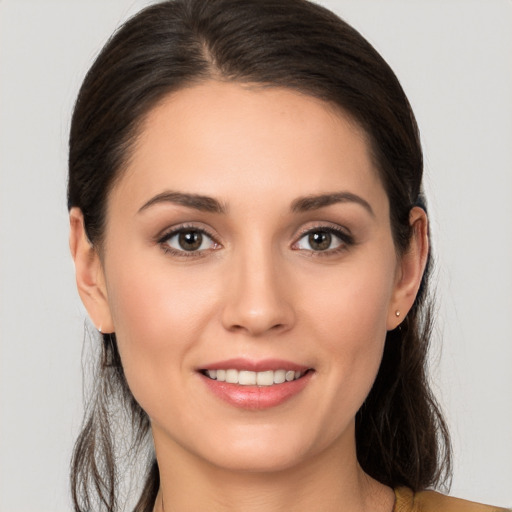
397, 313
99, 329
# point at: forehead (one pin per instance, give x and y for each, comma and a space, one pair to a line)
231, 140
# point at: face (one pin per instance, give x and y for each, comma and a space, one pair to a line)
248, 243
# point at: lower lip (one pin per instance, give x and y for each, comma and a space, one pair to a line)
257, 397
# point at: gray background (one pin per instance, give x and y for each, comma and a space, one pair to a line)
453, 58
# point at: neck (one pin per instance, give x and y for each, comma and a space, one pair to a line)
331, 481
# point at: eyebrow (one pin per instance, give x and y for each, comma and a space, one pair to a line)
301, 204
196, 201
315, 202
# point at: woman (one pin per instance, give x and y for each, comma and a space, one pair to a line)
250, 239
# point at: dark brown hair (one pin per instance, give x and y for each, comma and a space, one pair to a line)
401, 436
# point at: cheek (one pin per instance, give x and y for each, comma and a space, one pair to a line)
355, 339
354, 302
353, 308
158, 318
155, 302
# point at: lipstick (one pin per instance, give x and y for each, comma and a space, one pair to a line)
255, 385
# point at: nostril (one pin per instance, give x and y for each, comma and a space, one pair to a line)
256, 307
257, 328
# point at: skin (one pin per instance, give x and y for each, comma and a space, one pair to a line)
257, 290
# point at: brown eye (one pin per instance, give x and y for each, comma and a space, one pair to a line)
323, 240
190, 240
320, 240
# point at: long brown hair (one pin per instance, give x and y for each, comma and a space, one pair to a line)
400, 433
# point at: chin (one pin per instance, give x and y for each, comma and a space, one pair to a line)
265, 450
260, 461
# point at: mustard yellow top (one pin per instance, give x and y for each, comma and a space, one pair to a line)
431, 501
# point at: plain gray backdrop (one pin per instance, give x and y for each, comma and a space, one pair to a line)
454, 60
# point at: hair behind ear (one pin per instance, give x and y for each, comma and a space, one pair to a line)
401, 436
96, 472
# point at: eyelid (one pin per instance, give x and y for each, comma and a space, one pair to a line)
168, 231
325, 226
340, 232
172, 231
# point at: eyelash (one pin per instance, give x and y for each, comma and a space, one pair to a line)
164, 239
346, 241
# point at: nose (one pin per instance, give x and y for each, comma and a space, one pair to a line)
256, 295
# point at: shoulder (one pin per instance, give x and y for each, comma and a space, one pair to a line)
431, 501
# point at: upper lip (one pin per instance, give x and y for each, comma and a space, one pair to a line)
255, 366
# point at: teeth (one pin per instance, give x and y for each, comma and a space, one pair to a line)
265, 378
248, 378
231, 376
279, 376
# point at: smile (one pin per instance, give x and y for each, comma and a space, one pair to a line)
255, 384
250, 378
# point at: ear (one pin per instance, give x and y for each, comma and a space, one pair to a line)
90, 279
410, 269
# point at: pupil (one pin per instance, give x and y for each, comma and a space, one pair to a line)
320, 241
190, 240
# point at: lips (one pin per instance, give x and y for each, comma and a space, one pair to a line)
255, 385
